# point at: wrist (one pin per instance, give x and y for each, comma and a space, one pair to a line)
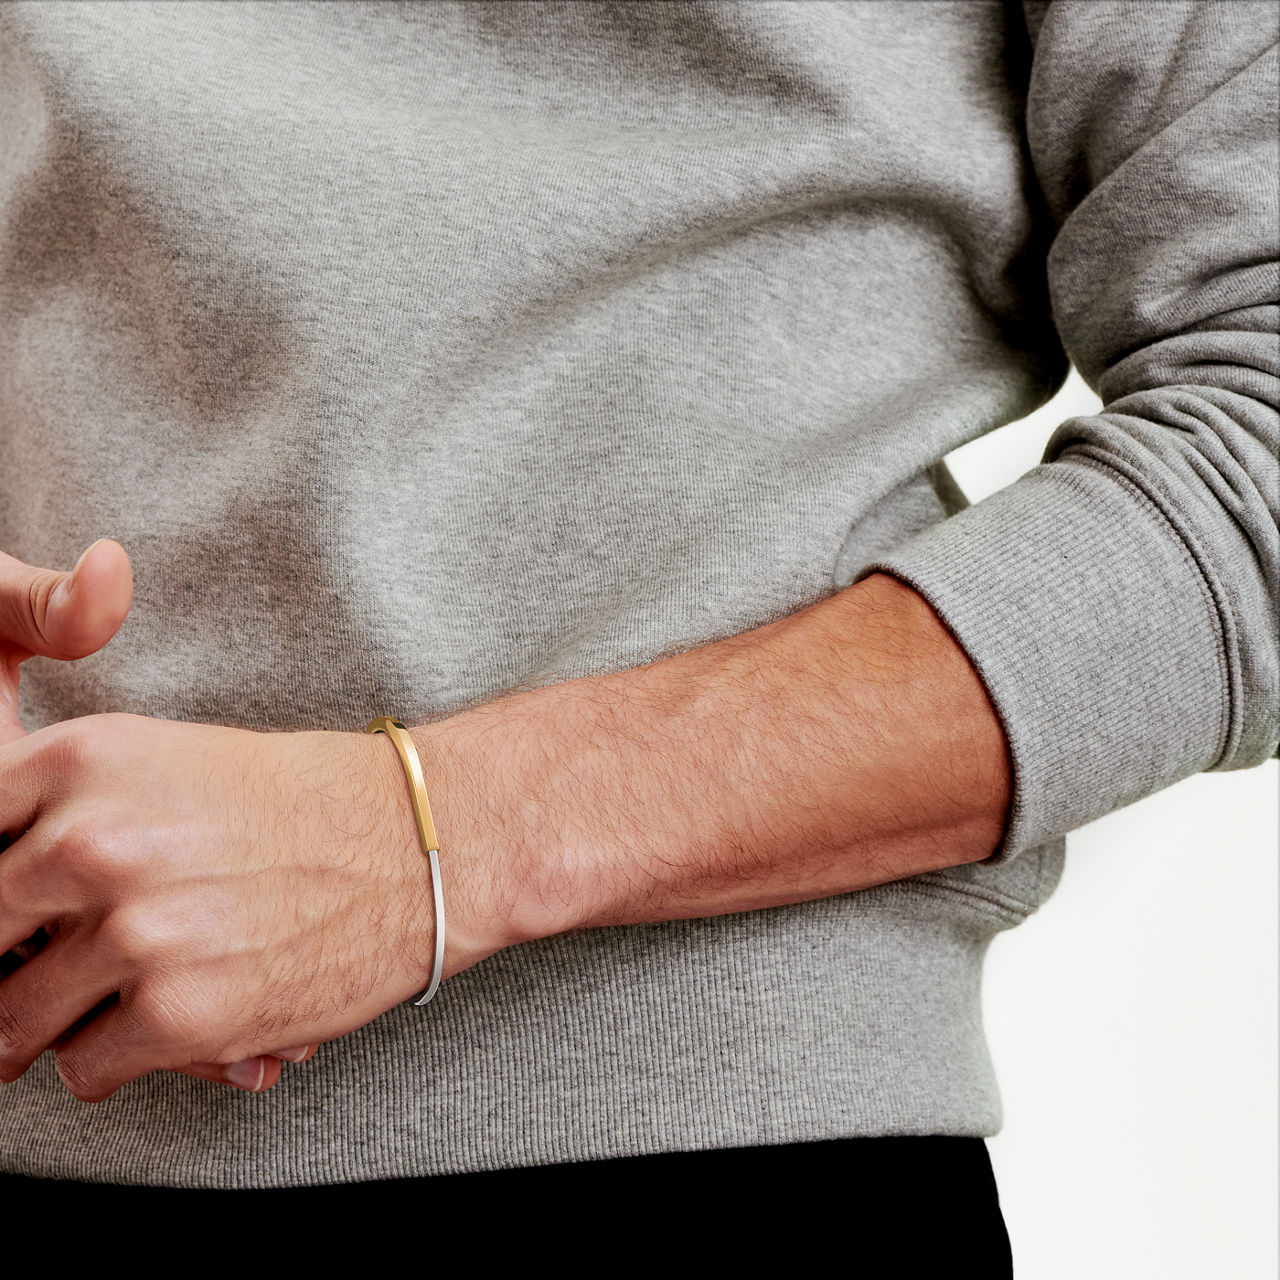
942, 746
493, 857
532, 814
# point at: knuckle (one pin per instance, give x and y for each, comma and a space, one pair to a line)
77, 746
65, 750
81, 1078
74, 844
17, 1029
135, 934
98, 852
39, 596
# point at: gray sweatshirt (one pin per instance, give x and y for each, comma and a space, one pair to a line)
416, 352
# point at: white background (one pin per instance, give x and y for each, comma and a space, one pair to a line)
1133, 1020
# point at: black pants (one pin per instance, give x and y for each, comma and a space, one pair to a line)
901, 1207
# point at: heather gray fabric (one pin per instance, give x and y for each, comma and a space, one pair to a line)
417, 352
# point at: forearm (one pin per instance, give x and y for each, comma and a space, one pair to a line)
238, 877
844, 746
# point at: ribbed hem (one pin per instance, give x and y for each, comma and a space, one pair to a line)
851, 1016
1095, 632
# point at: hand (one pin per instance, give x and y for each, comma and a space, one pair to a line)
67, 616
210, 893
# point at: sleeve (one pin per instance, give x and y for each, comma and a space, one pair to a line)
1119, 600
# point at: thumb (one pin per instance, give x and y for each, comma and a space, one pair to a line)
58, 615
65, 615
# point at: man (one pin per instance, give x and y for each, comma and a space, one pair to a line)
571, 382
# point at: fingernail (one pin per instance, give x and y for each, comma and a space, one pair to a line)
294, 1055
85, 553
64, 587
248, 1075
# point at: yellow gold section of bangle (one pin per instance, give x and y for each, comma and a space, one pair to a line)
413, 767
404, 745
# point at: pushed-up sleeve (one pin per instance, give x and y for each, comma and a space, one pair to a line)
1120, 599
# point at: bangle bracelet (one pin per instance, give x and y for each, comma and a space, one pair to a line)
426, 832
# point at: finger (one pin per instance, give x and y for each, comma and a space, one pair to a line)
21, 929
19, 954
27, 908
120, 1045
255, 1075
66, 614
58, 614
296, 1055
45, 996
31, 947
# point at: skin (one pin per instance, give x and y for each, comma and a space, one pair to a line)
214, 893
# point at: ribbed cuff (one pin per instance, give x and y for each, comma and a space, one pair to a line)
1093, 629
